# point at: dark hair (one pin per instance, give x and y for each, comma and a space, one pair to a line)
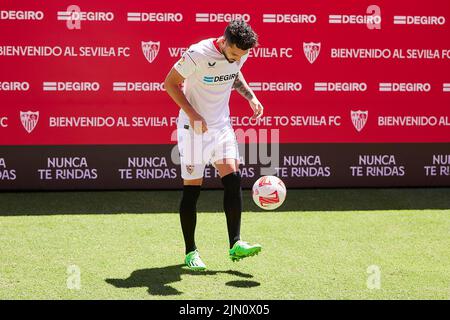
239, 33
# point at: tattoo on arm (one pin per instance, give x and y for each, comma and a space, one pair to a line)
242, 87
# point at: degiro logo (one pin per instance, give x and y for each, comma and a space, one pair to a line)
219, 79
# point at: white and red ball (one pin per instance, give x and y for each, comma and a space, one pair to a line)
269, 192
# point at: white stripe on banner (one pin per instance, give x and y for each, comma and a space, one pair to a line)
335, 18
64, 15
119, 86
320, 86
446, 87
202, 16
385, 87
255, 86
269, 17
399, 19
134, 16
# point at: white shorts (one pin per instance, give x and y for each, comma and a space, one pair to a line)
198, 150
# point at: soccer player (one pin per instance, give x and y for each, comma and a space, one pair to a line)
209, 70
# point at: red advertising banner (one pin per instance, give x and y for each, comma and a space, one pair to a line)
90, 73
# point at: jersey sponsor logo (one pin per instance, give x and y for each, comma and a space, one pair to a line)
219, 79
420, 20
150, 50
311, 50
359, 119
29, 120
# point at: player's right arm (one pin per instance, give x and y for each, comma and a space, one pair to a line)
172, 85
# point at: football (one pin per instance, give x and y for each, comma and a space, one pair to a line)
269, 192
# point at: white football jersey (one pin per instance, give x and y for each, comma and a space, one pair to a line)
209, 78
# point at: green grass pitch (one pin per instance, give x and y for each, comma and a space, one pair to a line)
322, 244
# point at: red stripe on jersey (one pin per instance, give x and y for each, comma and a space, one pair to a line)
215, 45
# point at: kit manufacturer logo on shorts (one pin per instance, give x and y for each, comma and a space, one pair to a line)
215, 80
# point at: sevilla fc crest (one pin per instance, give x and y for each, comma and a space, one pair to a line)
359, 119
190, 169
29, 120
150, 50
312, 51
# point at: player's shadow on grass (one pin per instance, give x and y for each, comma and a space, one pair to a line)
158, 280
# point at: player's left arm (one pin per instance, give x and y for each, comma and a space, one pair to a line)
244, 90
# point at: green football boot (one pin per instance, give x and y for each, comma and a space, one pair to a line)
194, 262
242, 249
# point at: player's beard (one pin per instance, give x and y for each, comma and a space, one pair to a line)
222, 50
229, 61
